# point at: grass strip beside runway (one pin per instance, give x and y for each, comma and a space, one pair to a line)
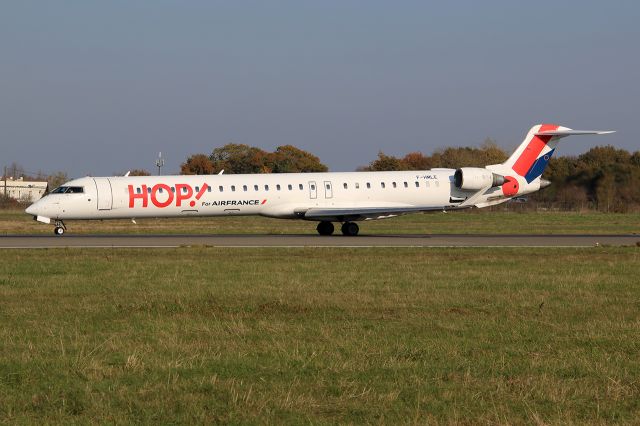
295, 335
460, 222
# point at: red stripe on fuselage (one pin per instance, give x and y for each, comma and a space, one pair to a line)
533, 150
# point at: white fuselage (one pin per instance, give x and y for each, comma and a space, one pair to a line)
273, 195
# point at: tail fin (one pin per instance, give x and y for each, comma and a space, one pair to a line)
532, 156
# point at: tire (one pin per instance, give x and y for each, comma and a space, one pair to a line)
350, 229
325, 228
58, 230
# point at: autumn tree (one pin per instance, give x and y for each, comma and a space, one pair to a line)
384, 162
239, 158
416, 161
289, 159
139, 172
197, 164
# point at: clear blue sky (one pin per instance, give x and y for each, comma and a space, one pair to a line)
97, 87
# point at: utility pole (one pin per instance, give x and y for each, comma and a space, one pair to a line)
5, 181
159, 162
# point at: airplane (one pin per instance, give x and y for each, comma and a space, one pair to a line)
329, 197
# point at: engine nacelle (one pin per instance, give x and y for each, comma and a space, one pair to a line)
475, 179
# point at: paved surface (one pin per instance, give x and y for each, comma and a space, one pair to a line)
448, 240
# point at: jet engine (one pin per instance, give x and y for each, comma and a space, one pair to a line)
475, 179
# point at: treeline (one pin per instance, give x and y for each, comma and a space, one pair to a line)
239, 158
452, 158
604, 178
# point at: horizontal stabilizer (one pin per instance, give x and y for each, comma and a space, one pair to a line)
569, 132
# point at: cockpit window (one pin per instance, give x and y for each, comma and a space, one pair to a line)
68, 190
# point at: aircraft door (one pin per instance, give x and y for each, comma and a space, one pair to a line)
328, 189
313, 190
105, 196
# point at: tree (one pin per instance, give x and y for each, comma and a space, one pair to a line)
605, 192
139, 172
197, 164
239, 158
416, 161
56, 179
384, 162
289, 159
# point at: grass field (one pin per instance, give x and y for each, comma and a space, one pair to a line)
466, 222
200, 335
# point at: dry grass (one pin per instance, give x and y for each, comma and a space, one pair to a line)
466, 222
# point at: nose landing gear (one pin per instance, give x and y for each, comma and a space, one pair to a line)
59, 227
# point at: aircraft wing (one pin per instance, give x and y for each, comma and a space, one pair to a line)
359, 213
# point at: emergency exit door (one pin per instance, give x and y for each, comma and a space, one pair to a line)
328, 189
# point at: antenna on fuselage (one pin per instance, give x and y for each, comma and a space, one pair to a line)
159, 162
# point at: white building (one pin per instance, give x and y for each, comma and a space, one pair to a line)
21, 190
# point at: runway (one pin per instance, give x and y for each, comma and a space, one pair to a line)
439, 240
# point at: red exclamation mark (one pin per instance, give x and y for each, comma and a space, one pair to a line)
199, 194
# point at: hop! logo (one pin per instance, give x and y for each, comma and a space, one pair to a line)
162, 195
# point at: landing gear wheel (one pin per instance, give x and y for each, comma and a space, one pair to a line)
325, 228
59, 227
350, 229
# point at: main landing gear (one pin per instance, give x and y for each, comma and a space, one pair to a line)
349, 229
325, 228
59, 227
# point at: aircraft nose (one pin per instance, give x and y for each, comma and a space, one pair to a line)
33, 209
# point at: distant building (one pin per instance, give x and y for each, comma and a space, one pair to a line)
21, 190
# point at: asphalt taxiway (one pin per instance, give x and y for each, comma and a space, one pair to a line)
307, 240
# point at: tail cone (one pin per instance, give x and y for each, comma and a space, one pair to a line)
544, 183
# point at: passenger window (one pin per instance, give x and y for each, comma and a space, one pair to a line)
233, 188
313, 187
382, 185
148, 190
266, 187
345, 185
357, 185
301, 187
394, 185
221, 188
406, 185
160, 190
244, 188
138, 191
278, 187
197, 189
255, 187
184, 189
368, 185
417, 184
209, 189
290, 187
